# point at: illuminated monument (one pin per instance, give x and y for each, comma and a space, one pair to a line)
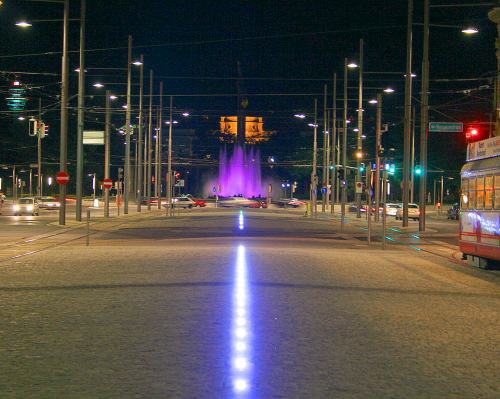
254, 129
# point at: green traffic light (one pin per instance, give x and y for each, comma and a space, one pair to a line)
418, 170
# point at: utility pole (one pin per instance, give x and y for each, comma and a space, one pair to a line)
107, 127
412, 163
333, 135
442, 194
424, 119
14, 183
139, 138
126, 185
80, 117
325, 130
169, 165
369, 201
378, 149
150, 139
407, 114
344, 151
39, 150
314, 175
359, 140
159, 144
63, 141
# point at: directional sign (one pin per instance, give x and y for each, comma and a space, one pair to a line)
180, 183
62, 178
447, 127
107, 183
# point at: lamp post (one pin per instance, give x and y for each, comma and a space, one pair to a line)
360, 126
344, 150
150, 139
127, 130
333, 137
314, 175
140, 136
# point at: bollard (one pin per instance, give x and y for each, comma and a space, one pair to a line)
88, 227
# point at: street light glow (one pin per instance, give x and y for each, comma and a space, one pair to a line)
137, 62
98, 85
470, 30
21, 118
352, 65
300, 116
185, 114
389, 90
23, 24
373, 101
113, 97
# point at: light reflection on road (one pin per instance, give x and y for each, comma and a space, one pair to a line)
241, 220
241, 329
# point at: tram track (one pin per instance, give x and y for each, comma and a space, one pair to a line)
36, 244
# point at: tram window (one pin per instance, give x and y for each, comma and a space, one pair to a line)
497, 192
488, 195
472, 193
465, 193
479, 199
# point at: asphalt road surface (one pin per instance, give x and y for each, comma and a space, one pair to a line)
258, 304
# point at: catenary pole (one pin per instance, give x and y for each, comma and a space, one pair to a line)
159, 140
424, 119
63, 141
344, 151
314, 174
378, 149
359, 137
107, 142
39, 150
169, 158
325, 129
80, 117
140, 136
150, 139
333, 137
407, 114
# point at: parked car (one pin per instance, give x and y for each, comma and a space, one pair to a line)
454, 212
48, 202
413, 212
26, 206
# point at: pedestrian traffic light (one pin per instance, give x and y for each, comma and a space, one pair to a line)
418, 170
362, 167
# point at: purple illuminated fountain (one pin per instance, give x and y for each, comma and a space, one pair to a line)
239, 172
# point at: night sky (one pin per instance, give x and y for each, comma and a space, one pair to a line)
284, 47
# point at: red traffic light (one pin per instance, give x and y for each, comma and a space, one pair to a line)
475, 132
177, 175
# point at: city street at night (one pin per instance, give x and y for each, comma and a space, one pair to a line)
259, 303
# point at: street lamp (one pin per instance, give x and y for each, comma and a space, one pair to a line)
98, 85
23, 24
352, 65
389, 90
470, 30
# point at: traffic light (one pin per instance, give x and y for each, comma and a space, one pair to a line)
475, 132
362, 167
418, 170
177, 176
341, 174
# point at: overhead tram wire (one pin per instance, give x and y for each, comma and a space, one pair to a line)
214, 41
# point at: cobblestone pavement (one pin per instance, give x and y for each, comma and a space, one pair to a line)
283, 307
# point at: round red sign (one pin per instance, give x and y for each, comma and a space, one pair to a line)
62, 178
107, 183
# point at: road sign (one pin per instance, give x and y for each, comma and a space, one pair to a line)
62, 178
107, 183
93, 137
446, 127
180, 183
359, 187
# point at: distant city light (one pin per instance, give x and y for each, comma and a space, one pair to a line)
185, 114
356, 129
312, 125
21, 118
23, 24
137, 62
389, 90
300, 116
373, 101
125, 106
112, 97
352, 65
98, 85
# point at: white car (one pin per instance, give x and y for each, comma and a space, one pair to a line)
391, 209
183, 202
413, 212
48, 202
231, 202
26, 206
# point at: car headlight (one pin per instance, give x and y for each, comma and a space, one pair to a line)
16, 207
29, 207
